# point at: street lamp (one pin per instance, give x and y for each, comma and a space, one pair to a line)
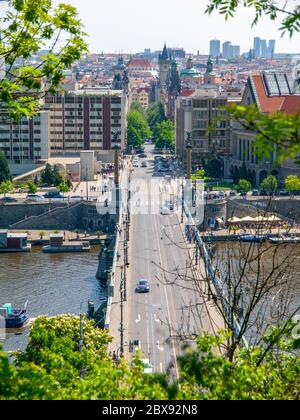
117, 148
189, 147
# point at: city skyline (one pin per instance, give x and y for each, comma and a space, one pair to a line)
128, 27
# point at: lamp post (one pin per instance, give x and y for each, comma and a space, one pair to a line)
122, 329
117, 148
188, 147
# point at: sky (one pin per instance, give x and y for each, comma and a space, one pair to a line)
132, 25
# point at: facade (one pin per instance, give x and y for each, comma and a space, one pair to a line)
27, 141
196, 113
85, 120
263, 48
215, 48
140, 95
271, 92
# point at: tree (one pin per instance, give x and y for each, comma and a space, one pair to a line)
244, 186
269, 184
6, 187
165, 136
64, 187
214, 168
137, 129
136, 106
28, 27
57, 176
5, 174
273, 9
199, 174
32, 188
292, 183
47, 175
155, 115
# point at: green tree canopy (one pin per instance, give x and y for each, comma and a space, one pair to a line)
32, 188
269, 184
6, 187
292, 183
28, 27
52, 176
136, 106
5, 174
155, 115
244, 186
137, 129
165, 136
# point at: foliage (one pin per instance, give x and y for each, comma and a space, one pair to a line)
32, 188
291, 16
244, 186
292, 183
155, 115
137, 129
28, 27
52, 367
5, 174
136, 106
242, 173
214, 168
199, 174
269, 184
64, 187
6, 187
165, 136
51, 176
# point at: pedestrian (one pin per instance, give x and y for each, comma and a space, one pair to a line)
114, 356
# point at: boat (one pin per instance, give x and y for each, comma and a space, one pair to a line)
253, 238
14, 317
286, 240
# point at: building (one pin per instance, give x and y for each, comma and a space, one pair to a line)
26, 141
264, 49
85, 119
190, 76
87, 165
215, 48
257, 47
140, 95
270, 92
230, 51
195, 113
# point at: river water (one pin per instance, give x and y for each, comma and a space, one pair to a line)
52, 284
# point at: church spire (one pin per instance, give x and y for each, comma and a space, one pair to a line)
164, 55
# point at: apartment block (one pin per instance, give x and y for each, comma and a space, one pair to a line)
26, 141
85, 120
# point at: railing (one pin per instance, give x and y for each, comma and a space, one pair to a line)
216, 280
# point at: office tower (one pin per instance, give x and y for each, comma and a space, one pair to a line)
264, 48
257, 47
226, 49
271, 48
215, 47
236, 51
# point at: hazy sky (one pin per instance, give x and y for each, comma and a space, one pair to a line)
132, 25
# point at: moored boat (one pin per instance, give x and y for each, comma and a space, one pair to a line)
14, 317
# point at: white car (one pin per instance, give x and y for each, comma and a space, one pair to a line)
165, 211
135, 164
148, 368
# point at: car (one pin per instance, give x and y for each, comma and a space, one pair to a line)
283, 193
144, 164
8, 200
142, 155
148, 368
137, 345
165, 211
170, 205
243, 194
255, 193
232, 193
34, 197
53, 194
135, 164
143, 286
222, 194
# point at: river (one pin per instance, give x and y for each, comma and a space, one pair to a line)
52, 284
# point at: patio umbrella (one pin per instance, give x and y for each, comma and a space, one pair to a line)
234, 220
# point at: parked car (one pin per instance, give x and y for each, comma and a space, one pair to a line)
222, 194
283, 193
34, 197
143, 286
144, 164
255, 193
243, 194
142, 155
53, 194
232, 193
8, 200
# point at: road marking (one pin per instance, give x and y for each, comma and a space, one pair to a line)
161, 367
138, 319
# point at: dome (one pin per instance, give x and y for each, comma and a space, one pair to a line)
190, 73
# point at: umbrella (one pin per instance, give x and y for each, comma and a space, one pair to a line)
247, 219
273, 218
260, 219
234, 220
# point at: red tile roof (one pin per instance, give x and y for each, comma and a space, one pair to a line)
187, 92
139, 63
291, 105
268, 104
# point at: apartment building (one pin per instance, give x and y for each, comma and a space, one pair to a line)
85, 120
197, 112
26, 141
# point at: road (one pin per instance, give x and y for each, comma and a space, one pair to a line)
158, 253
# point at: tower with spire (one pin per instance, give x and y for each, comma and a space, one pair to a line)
173, 87
164, 64
209, 75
